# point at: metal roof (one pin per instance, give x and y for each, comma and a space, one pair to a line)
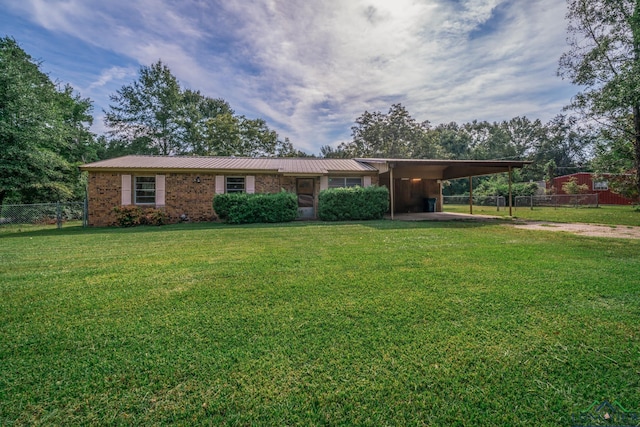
447, 162
443, 169
280, 165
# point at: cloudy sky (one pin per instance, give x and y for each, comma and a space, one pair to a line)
311, 67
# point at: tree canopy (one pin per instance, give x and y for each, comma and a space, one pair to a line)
44, 132
397, 134
604, 59
154, 115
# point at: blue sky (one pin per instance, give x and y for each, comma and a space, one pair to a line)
310, 68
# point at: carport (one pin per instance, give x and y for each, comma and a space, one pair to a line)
415, 185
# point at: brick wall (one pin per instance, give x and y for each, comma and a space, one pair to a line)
104, 193
183, 195
275, 183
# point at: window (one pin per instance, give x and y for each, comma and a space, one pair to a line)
601, 185
145, 190
339, 182
234, 184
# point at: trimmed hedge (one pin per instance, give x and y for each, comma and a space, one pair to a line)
222, 203
242, 208
354, 203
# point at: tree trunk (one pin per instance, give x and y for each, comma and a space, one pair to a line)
636, 146
635, 29
3, 193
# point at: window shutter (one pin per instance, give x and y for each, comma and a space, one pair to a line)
324, 182
160, 185
219, 184
126, 190
250, 184
366, 181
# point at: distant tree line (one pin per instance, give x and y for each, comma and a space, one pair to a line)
557, 147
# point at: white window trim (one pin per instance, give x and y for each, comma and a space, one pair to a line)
135, 192
226, 184
603, 187
220, 184
324, 182
345, 178
250, 184
126, 190
160, 190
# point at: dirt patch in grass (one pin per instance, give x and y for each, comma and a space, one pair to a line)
615, 231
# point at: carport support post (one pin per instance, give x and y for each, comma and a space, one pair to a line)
471, 195
510, 204
391, 188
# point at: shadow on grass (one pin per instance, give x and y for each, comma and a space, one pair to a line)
384, 224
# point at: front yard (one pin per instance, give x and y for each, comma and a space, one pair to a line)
376, 323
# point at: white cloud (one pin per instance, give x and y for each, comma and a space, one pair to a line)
113, 73
310, 68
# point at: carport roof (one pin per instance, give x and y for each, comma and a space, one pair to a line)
449, 169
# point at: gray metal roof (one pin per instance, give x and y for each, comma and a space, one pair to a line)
441, 168
447, 162
280, 165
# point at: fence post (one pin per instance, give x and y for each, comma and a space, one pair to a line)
58, 215
531, 202
85, 213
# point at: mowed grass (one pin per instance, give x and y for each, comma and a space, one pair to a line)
605, 214
380, 323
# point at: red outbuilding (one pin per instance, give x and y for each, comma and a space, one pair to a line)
598, 184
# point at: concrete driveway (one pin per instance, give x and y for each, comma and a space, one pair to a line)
440, 216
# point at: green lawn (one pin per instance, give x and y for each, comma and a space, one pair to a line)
380, 323
605, 214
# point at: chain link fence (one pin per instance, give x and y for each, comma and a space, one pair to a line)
44, 213
558, 201
497, 201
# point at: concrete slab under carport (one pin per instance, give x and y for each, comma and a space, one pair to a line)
441, 216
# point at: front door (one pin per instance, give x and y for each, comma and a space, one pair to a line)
306, 199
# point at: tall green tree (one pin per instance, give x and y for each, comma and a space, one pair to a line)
604, 59
196, 112
146, 112
44, 132
614, 154
565, 143
154, 115
395, 134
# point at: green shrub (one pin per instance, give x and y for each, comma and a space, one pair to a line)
131, 215
355, 203
153, 216
242, 208
222, 203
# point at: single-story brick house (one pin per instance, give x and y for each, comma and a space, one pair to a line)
598, 184
184, 186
